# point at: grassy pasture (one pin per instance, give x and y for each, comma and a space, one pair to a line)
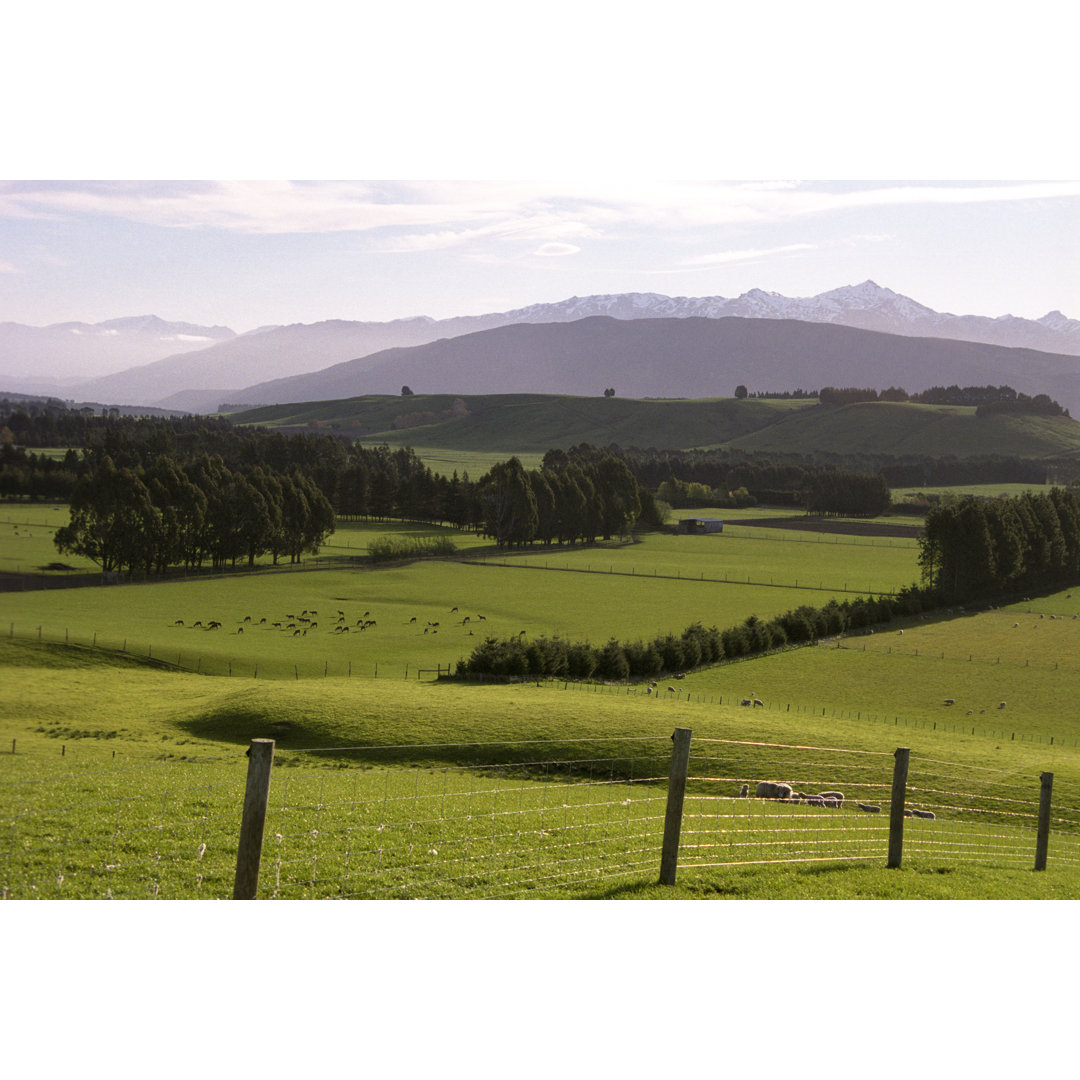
176, 779
659, 585
453, 826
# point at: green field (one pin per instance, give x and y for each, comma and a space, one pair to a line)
126, 774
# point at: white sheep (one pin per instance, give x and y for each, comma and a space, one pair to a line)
868, 808
768, 789
928, 814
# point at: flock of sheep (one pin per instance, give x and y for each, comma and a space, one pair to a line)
833, 800
299, 625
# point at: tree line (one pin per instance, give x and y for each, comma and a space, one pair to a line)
982, 547
696, 646
782, 480
168, 514
987, 400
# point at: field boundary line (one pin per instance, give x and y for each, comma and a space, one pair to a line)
820, 587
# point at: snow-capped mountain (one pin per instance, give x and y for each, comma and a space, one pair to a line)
145, 360
868, 306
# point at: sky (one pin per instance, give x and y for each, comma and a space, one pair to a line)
505, 159
244, 254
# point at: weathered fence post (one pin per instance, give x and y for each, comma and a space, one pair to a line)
256, 796
1042, 841
896, 809
680, 766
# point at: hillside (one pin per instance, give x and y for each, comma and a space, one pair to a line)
685, 357
520, 423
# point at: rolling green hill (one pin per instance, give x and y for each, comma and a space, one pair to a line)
534, 423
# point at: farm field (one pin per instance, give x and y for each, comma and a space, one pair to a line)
550, 790
398, 619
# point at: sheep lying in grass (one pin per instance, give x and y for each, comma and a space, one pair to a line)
868, 808
768, 789
928, 814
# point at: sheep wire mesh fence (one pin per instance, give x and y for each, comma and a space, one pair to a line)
519, 820
533, 825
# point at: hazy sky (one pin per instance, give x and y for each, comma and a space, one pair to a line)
244, 254
509, 156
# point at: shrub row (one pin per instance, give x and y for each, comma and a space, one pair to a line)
695, 647
393, 548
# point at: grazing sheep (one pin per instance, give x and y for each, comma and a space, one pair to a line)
744, 791
758, 702
453, 610
831, 804
262, 622
769, 789
247, 618
179, 622
928, 814
869, 809
672, 689
908, 813
836, 796
482, 618
198, 623
239, 629
412, 620
1001, 705
950, 701
648, 689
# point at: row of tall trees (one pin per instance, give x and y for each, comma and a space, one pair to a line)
979, 547
576, 495
150, 519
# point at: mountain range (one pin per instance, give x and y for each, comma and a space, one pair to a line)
193, 368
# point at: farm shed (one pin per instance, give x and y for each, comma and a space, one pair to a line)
697, 526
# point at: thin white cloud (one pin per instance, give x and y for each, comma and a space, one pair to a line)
555, 248
9, 268
461, 207
717, 258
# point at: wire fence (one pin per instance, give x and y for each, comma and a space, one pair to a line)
519, 820
535, 826
206, 662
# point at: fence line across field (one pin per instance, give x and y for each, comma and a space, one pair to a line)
283, 670
537, 818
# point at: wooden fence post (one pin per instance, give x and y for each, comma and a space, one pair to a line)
256, 796
680, 766
896, 809
1043, 840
